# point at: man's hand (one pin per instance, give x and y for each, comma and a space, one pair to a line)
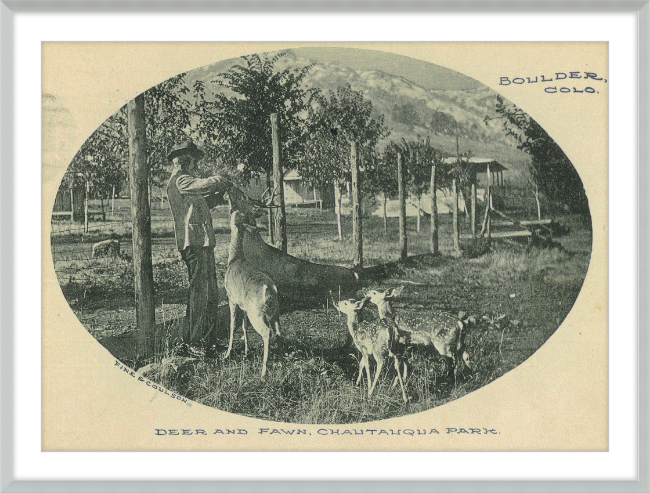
231, 177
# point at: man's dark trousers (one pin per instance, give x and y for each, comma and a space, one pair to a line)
203, 304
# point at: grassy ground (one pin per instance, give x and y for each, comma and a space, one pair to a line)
518, 299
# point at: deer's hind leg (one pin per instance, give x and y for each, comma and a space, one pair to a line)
264, 330
234, 313
244, 326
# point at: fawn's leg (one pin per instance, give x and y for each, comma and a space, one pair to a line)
380, 364
401, 383
362, 365
404, 373
367, 367
234, 311
465, 358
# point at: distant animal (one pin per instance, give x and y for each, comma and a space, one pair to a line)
250, 292
106, 248
371, 338
445, 332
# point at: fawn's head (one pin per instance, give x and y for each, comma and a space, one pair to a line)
350, 307
377, 297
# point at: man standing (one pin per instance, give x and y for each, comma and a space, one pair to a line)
188, 199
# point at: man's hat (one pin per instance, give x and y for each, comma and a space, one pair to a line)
185, 147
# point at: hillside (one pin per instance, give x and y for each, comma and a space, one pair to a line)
410, 110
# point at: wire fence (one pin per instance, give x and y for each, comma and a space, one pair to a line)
312, 235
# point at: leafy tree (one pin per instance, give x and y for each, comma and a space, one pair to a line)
168, 118
442, 122
381, 177
552, 172
337, 121
103, 158
235, 127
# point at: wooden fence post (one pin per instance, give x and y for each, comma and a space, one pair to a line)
357, 228
141, 218
454, 197
434, 210
269, 214
338, 197
72, 203
402, 208
488, 202
278, 177
473, 215
86, 206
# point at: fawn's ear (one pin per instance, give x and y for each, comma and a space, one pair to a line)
359, 304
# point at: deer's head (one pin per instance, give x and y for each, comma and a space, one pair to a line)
249, 209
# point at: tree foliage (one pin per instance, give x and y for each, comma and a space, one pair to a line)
103, 158
99, 162
167, 117
336, 121
551, 169
235, 127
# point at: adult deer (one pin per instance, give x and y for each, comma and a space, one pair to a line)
250, 291
445, 332
371, 338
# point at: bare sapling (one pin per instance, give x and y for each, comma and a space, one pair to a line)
444, 331
251, 292
371, 338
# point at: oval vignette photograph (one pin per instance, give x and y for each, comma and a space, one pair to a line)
319, 235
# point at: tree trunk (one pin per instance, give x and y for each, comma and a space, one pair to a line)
337, 206
113, 202
539, 209
71, 204
454, 196
473, 217
402, 208
269, 211
419, 212
278, 178
357, 221
86, 206
141, 219
101, 202
434, 211
385, 215
488, 201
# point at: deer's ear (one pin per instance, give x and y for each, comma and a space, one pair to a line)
397, 291
359, 304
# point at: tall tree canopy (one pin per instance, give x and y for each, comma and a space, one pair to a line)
343, 117
551, 169
235, 127
103, 158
